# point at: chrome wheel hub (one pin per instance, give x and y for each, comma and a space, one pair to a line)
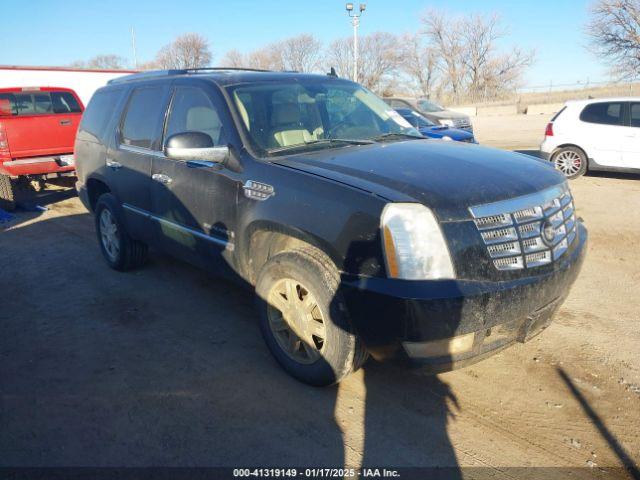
568, 162
296, 321
109, 235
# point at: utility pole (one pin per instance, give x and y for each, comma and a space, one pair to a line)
355, 21
133, 45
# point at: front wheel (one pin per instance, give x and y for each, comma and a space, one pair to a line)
303, 318
571, 161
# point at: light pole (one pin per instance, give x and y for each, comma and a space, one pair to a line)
355, 21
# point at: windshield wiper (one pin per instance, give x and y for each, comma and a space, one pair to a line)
322, 141
385, 136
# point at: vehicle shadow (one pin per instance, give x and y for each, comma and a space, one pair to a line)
165, 367
625, 459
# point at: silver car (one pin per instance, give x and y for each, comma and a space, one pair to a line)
433, 111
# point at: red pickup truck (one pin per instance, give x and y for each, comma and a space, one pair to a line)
37, 131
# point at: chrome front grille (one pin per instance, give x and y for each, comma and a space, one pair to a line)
462, 123
528, 231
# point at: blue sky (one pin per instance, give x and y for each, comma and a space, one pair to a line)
59, 32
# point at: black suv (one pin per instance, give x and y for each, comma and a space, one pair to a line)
359, 235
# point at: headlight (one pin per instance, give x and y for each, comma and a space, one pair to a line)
447, 122
414, 247
447, 138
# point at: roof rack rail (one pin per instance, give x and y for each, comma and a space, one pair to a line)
142, 75
180, 71
233, 69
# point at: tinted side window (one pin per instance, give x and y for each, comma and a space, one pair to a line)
192, 111
606, 113
145, 108
635, 114
64, 102
99, 112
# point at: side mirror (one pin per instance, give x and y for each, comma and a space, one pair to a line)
198, 146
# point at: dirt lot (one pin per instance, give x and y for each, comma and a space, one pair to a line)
522, 132
165, 366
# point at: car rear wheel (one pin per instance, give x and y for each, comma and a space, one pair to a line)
119, 250
571, 161
7, 194
303, 318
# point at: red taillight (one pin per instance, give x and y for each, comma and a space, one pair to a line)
549, 130
4, 142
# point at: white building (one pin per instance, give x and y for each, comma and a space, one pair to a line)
83, 82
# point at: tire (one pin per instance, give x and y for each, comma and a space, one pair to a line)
570, 161
336, 349
7, 194
120, 251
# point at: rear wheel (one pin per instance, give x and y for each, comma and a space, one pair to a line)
303, 318
571, 161
7, 194
119, 250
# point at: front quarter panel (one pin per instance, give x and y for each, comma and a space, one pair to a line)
340, 220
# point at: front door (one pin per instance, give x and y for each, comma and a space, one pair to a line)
631, 141
194, 202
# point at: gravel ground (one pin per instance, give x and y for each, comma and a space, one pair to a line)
165, 366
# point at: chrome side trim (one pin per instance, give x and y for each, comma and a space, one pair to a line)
143, 151
519, 203
176, 226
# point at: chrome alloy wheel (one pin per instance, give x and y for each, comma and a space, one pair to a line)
568, 162
296, 321
109, 235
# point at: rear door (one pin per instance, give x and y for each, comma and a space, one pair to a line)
195, 202
128, 161
601, 131
631, 143
42, 122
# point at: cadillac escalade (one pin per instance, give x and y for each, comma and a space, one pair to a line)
359, 236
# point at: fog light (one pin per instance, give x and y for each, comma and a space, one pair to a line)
440, 348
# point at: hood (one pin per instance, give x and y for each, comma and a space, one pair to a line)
444, 114
446, 176
441, 131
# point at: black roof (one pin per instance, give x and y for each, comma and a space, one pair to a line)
222, 76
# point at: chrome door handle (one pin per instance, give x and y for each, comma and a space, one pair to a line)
113, 164
162, 178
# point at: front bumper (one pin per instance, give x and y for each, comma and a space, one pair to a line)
395, 317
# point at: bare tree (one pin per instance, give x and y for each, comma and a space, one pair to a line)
444, 34
301, 54
420, 63
378, 59
470, 61
109, 61
234, 59
615, 34
490, 73
190, 50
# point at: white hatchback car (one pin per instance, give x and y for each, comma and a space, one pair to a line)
596, 134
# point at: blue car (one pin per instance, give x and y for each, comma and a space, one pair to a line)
429, 129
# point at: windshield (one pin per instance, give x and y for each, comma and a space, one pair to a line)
315, 113
417, 120
429, 106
